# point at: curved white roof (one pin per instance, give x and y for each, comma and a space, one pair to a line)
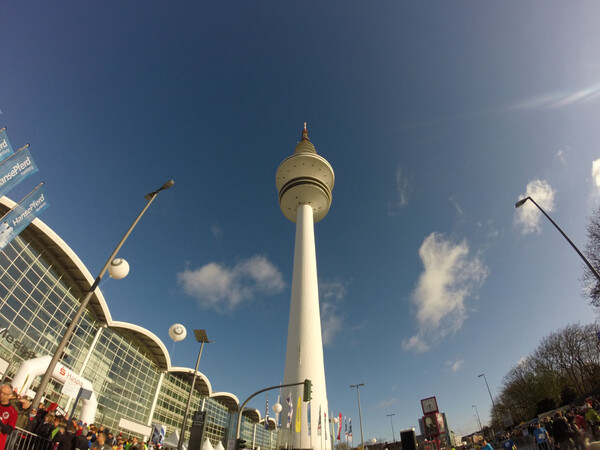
81, 279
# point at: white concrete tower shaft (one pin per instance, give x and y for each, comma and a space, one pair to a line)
304, 181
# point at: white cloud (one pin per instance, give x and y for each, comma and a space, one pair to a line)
386, 403
402, 191
222, 288
453, 200
596, 175
528, 216
331, 293
216, 231
449, 277
454, 365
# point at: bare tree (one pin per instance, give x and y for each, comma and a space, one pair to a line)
592, 252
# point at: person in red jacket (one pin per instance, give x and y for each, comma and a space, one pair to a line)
8, 414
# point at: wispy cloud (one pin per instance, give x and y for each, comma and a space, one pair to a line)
401, 199
216, 231
222, 288
331, 295
453, 200
386, 403
454, 365
559, 99
451, 275
528, 216
596, 176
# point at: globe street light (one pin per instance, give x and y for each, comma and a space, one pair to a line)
491, 398
522, 202
202, 338
362, 440
393, 435
84, 302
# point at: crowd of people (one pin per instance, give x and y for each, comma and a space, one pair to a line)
20, 422
571, 428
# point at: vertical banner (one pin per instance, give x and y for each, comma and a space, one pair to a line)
319, 424
290, 410
325, 425
17, 219
299, 414
5, 148
15, 169
308, 417
339, 427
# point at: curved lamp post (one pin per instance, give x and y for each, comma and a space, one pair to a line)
522, 202
85, 300
362, 440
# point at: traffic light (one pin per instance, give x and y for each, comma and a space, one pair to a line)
241, 444
307, 390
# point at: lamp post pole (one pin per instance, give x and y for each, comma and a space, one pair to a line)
491, 398
592, 269
202, 338
85, 300
478, 419
362, 440
393, 435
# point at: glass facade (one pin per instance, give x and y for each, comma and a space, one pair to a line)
38, 296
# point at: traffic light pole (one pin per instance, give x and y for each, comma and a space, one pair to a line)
306, 383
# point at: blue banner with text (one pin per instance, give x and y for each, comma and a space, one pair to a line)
17, 219
15, 169
5, 148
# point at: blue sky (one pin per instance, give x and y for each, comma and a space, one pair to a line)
435, 116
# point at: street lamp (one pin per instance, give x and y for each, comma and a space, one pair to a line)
478, 419
84, 302
393, 435
362, 440
202, 338
522, 202
491, 398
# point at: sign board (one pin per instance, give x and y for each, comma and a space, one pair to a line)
142, 430
71, 389
429, 405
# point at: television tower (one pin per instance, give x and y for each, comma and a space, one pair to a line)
304, 181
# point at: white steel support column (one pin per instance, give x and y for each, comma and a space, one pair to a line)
155, 399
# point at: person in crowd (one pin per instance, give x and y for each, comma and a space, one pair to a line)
24, 411
100, 443
63, 440
509, 443
55, 427
80, 441
45, 428
485, 445
542, 440
8, 414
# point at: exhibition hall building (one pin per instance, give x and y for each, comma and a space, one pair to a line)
127, 367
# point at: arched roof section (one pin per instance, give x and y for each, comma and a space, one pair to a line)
228, 399
202, 384
148, 340
252, 414
72, 267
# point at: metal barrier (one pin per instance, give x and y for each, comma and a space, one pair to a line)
25, 440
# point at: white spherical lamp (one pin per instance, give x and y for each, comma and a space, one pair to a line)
277, 408
118, 269
335, 420
177, 332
